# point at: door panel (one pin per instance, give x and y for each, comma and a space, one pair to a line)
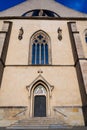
39, 106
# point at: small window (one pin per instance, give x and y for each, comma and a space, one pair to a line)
40, 90
40, 13
86, 37
40, 47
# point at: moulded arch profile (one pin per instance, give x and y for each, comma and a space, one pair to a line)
40, 81
35, 34
40, 31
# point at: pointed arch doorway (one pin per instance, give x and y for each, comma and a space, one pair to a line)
40, 95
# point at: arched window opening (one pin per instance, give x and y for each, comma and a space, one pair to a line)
86, 37
40, 43
40, 90
40, 13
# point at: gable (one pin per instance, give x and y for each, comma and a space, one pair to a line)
28, 5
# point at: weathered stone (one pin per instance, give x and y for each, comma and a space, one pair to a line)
5, 27
78, 44
73, 27
12, 113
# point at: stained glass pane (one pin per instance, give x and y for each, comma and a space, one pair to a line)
49, 13
35, 13
42, 54
33, 54
38, 54
46, 54
86, 38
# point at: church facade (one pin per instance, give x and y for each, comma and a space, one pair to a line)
43, 63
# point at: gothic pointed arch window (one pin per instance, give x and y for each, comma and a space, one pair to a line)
40, 50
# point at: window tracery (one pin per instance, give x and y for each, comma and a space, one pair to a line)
40, 90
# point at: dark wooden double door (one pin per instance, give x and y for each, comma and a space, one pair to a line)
40, 106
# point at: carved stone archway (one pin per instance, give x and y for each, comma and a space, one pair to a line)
31, 89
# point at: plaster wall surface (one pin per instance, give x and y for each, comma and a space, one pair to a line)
82, 27
65, 103
19, 73
15, 79
1, 24
19, 53
83, 64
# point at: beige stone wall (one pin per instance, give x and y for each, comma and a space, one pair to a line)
83, 64
62, 74
15, 79
1, 24
82, 26
71, 115
18, 51
65, 95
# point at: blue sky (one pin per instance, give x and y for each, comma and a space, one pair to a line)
5, 4
79, 5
